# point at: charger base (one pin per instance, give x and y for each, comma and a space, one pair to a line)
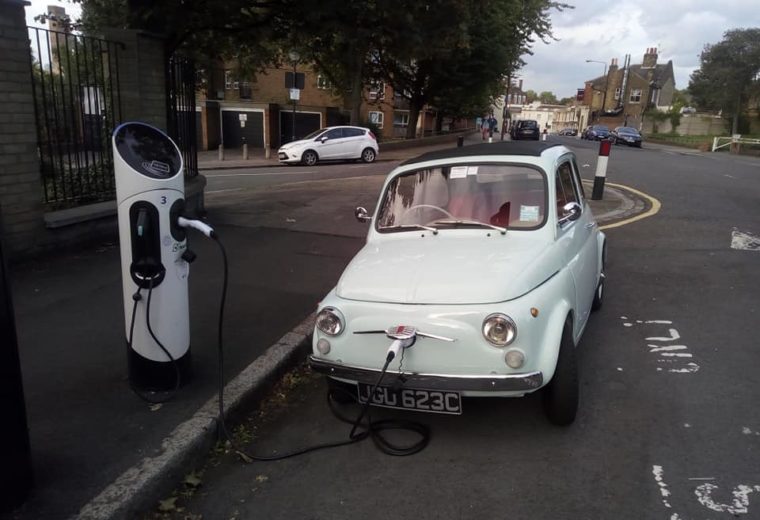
157, 376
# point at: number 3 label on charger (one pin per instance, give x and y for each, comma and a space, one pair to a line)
163, 199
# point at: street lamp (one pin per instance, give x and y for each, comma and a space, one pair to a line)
294, 57
606, 79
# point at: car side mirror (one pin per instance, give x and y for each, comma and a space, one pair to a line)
572, 211
361, 214
323, 139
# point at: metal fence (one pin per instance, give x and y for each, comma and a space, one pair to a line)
75, 81
180, 110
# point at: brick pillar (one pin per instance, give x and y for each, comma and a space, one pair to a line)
142, 76
20, 191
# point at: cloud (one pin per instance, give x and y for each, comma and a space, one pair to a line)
602, 30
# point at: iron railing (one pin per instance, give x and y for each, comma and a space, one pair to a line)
75, 81
180, 110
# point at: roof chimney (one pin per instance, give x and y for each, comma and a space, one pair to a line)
520, 86
613, 65
650, 58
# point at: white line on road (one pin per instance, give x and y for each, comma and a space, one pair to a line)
744, 241
259, 174
222, 191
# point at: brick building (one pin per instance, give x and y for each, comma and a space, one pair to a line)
263, 102
623, 94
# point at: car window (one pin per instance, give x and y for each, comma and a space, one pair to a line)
335, 133
352, 132
314, 134
528, 123
565, 188
510, 196
578, 183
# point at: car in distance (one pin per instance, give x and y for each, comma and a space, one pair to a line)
525, 129
626, 135
330, 144
486, 262
596, 133
568, 131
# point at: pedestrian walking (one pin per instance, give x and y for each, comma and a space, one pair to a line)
492, 124
484, 127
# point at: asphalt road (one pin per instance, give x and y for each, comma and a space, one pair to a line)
668, 426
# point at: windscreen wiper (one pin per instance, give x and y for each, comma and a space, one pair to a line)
501, 230
411, 226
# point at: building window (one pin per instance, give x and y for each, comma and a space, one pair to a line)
376, 90
230, 80
617, 93
400, 119
635, 95
377, 118
245, 90
323, 83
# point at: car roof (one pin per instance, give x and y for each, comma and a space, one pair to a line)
533, 149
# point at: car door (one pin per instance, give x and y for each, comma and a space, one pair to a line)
577, 240
331, 144
354, 142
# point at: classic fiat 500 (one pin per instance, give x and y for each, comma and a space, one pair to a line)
483, 263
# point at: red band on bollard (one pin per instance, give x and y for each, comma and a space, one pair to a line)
604, 147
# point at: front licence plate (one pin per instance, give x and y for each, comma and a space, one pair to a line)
434, 401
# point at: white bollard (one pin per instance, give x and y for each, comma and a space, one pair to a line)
245, 152
221, 152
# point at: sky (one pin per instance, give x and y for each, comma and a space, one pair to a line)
603, 29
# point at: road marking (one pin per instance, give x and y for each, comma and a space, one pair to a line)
738, 506
744, 241
259, 174
649, 213
748, 431
664, 491
673, 356
222, 191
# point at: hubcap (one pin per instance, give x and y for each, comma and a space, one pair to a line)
369, 155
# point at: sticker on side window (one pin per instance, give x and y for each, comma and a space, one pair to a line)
472, 170
458, 172
529, 213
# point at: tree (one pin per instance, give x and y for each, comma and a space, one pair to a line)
567, 100
729, 74
530, 96
547, 98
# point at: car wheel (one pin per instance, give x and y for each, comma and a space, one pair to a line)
368, 155
309, 158
340, 392
562, 392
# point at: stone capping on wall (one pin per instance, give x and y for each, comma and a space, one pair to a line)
67, 217
401, 144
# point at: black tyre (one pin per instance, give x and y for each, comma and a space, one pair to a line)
340, 392
599, 293
562, 393
309, 158
368, 155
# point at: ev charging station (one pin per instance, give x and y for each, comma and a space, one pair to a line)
150, 195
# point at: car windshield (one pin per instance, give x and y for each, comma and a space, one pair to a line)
627, 130
601, 128
529, 124
315, 133
461, 196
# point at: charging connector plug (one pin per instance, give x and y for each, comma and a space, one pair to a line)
197, 225
395, 348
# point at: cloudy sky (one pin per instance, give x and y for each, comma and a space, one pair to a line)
605, 29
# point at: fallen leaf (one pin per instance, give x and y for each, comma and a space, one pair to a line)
261, 478
192, 479
244, 457
155, 407
170, 504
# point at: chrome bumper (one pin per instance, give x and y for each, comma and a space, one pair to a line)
492, 383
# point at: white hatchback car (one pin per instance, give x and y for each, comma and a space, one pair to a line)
481, 269
330, 144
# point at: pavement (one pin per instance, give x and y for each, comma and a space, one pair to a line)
98, 450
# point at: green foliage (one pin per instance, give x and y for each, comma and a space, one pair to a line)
375, 129
547, 98
729, 73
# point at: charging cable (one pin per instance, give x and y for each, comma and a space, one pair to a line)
137, 297
360, 430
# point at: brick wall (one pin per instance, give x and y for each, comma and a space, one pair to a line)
141, 76
20, 197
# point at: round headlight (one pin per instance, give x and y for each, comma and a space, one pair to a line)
499, 330
330, 321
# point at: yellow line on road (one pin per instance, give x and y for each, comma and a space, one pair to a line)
650, 212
